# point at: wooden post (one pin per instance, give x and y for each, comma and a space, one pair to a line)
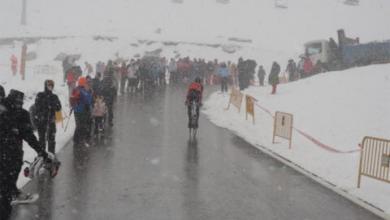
360, 165
23, 61
230, 100
291, 130
23, 16
273, 136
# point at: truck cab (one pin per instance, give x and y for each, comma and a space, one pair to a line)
318, 51
346, 53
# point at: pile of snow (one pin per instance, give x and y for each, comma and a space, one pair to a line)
337, 108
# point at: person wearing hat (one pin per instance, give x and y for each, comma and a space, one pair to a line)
96, 84
273, 77
223, 73
81, 101
15, 127
46, 105
291, 69
242, 69
109, 93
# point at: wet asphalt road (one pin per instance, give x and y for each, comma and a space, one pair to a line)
149, 170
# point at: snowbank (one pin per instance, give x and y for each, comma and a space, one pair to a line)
337, 108
36, 73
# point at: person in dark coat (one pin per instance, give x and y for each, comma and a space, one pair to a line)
66, 66
261, 75
251, 65
210, 71
15, 127
273, 77
2, 94
46, 105
109, 93
291, 69
96, 84
123, 77
241, 73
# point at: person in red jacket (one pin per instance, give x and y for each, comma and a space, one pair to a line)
14, 64
308, 66
195, 91
71, 80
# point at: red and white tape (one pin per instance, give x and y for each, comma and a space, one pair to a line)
309, 137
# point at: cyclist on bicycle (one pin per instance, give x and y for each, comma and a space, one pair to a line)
195, 91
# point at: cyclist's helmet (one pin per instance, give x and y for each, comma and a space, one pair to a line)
198, 80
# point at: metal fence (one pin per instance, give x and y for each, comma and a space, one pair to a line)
375, 159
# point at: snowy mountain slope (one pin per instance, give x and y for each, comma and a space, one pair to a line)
270, 28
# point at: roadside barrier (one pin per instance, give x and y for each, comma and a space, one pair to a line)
374, 159
374, 152
283, 126
250, 109
251, 102
309, 137
235, 99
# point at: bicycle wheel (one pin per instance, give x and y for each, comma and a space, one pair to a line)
194, 119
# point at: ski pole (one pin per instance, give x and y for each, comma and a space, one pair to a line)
67, 123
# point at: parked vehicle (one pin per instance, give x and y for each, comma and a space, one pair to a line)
349, 52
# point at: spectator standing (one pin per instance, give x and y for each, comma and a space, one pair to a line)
223, 73
81, 101
123, 77
273, 77
291, 70
14, 64
261, 75
46, 105
15, 127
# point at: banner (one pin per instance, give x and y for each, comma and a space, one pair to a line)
59, 118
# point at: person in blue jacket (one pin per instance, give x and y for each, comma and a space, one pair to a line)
82, 106
223, 73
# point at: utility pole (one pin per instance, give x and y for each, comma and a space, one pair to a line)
23, 20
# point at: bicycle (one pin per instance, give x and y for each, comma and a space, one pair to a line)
194, 117
100, 129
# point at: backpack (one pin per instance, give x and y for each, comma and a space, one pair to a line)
74, 100
33, 116
70, 77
